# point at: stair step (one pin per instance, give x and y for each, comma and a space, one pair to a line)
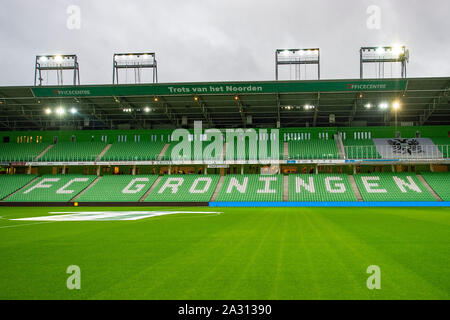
218, 188
151, 189
100, 156
285, 151
163, 151
43, 152
355, 188
340, 146
86, 189
285, 188
428, 187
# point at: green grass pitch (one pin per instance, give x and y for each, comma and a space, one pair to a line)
243, 253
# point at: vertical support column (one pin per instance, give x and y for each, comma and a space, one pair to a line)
98, 171
393, 168
29, 170
170, 169
206, 169
317, 169
242, 169
133, 172
64, 169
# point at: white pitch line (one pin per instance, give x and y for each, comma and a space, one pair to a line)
28, 224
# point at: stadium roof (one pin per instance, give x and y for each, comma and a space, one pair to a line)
423, 101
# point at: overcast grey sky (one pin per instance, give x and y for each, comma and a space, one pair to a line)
215, 40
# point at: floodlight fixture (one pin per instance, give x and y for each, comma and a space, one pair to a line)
58, 63
73, 110
382, 55
136, 62
297, 58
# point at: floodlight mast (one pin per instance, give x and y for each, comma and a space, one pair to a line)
136, 62
383, 55
309, 56
58, 63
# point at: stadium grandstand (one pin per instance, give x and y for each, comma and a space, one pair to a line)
278, 143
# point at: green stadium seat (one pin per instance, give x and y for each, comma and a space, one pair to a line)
392, 187
134, 151
118, 188
251, 188
53, 188
184, 188
74, 151
10, 152
236, 153
313, 149
320, 187
169, 156
10, 184
439, 182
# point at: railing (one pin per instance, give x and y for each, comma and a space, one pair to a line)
437, 152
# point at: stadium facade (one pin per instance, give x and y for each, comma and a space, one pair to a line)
269, 143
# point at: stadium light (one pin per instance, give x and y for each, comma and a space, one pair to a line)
368, 106
60, 111
58, 59
396, 105
147, 109
73, 110
379, 56
297, 58
136, 61
397, 50
48, 111
156, 99
59, 63
383, 106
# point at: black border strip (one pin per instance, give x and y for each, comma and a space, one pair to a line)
105, 204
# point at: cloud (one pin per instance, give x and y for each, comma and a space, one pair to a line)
218, 39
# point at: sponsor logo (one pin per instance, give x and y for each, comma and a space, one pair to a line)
72, 92
109, 215
354, 86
